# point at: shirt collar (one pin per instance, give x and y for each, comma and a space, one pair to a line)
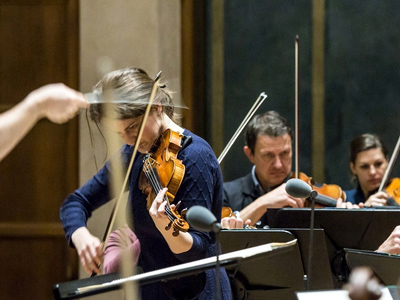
258, 185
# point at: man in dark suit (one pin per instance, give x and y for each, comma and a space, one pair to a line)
269, 148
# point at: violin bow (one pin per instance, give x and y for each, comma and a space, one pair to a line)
135, 149
246, 119
296, 101
389, 169
311, 236
118, 201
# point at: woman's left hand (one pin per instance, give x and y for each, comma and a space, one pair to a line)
157, 210
178, 244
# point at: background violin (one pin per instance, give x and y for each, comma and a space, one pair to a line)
393, 188
228, 213
327, 193
162, 169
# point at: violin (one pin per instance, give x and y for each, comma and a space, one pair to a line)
327, 193
393, 190
227, 212
162, 168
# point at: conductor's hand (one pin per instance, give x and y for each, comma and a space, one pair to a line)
89, 250
57, 102
234, 223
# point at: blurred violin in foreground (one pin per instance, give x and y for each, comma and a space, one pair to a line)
364, 285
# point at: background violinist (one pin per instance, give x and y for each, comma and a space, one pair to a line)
201, 185
268, 138
368, 163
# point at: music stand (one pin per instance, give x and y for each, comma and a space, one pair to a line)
322, 278
90, 286
363, 229
385, 266
269, 277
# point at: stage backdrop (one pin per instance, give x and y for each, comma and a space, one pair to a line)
361, 69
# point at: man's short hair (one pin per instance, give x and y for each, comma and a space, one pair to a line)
269, 123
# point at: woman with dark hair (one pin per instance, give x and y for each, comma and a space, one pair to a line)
130, 89
368, 163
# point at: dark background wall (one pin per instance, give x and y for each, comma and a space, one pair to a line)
361, 74
362, 78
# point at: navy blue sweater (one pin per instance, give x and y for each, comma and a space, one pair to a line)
202, 185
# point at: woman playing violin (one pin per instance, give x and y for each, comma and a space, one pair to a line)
201, 185
368, 163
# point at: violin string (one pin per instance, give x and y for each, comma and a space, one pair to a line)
157, 187
152, 177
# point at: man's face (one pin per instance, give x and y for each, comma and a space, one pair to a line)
273, 159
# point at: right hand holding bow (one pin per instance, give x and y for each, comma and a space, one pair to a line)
89, 250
